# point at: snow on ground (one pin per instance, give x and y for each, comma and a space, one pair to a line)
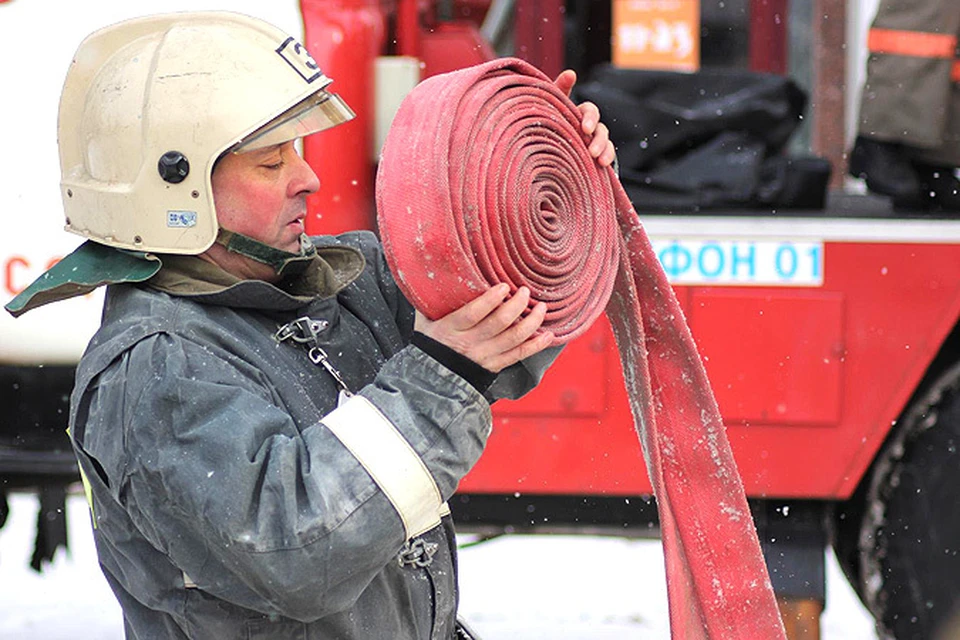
597, 588
513, 588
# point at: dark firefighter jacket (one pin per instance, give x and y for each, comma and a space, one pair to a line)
234, 498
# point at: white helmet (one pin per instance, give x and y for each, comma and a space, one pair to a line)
150, 104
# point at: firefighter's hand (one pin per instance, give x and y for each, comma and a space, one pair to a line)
489, 329
600, 146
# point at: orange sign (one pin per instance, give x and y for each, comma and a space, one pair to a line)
656, 34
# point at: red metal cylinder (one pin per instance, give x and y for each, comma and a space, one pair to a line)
768, 35
408, 28
538, 34
345, 37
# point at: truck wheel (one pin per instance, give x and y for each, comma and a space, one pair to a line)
909, 542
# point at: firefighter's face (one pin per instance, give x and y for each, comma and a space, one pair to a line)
262, 194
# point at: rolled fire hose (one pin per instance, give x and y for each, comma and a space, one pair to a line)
485, 178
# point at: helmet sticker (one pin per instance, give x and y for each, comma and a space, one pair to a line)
181, 219
297, 56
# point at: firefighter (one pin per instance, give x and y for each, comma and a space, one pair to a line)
908, 142
266, 429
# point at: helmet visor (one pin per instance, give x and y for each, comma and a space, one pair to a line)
320, 111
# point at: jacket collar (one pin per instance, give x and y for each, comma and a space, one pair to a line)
93, 265
325, 274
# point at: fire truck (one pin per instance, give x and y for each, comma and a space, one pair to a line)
831, 337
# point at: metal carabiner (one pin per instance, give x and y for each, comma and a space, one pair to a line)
306, 331
303, 330
417, 553
319, 357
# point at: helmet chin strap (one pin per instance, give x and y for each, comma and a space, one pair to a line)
284, 263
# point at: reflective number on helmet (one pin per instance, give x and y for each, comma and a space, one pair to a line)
300, 59
181, 219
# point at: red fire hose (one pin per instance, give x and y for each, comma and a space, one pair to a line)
485, 178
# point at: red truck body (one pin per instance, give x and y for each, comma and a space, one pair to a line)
809, 379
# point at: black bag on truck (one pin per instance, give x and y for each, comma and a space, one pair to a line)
714, 139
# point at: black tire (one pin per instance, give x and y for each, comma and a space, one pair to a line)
909, 542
